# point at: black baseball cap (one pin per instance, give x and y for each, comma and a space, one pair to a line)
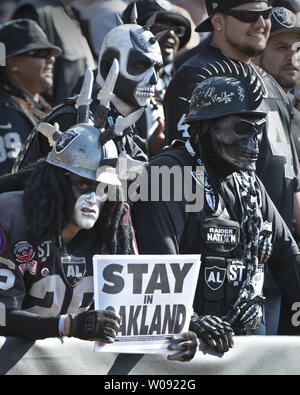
24, 35
284, 21
164, 12
214, 6
292, 5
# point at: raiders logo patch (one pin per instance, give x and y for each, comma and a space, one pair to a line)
74, 269
65, 140
216, 235
214, 277
284, 17
24, 252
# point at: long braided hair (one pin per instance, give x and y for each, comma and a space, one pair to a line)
49, 205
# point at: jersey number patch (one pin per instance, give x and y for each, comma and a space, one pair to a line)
279, 144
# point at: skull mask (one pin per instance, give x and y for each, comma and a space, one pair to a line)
236, 138
139, 56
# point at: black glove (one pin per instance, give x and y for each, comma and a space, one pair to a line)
186, 344
215, 332
102, 325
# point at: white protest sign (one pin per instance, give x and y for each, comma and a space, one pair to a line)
152, 293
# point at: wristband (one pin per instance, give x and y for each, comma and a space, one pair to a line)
61, 325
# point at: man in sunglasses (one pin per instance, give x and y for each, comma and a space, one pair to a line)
240, 30
235, 227
281, 58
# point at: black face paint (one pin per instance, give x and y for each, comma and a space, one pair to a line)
82, 186
138, 63
125, 90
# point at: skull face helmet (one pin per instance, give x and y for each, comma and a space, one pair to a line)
236, 139
139, 57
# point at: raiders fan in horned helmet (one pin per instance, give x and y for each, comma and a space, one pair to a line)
235, 227
50, 231
122, 89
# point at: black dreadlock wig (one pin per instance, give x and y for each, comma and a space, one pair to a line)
49, 205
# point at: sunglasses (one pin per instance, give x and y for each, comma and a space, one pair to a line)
39, 53
249, 16
244, 126
179, 31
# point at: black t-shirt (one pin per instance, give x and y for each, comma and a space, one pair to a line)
277, 166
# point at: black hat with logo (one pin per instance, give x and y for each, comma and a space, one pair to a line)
214, 6
283, 21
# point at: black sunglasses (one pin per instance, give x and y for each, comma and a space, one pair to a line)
249, 16
244, 126
178, 30
39, 53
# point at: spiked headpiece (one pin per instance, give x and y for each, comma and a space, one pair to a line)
226, 88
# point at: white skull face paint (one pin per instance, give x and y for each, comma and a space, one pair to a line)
236, 140
139, 56
88, 203
86, 210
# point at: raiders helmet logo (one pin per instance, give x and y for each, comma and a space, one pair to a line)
65, 140
284, 17
214, 277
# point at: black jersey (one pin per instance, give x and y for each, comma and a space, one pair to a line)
277, 165
166, 227
16, 124
40, 281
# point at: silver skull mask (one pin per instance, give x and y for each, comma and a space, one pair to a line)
236, 138
139, 56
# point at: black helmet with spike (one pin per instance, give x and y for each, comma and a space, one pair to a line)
226, 88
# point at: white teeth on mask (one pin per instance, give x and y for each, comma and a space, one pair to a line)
145, 92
